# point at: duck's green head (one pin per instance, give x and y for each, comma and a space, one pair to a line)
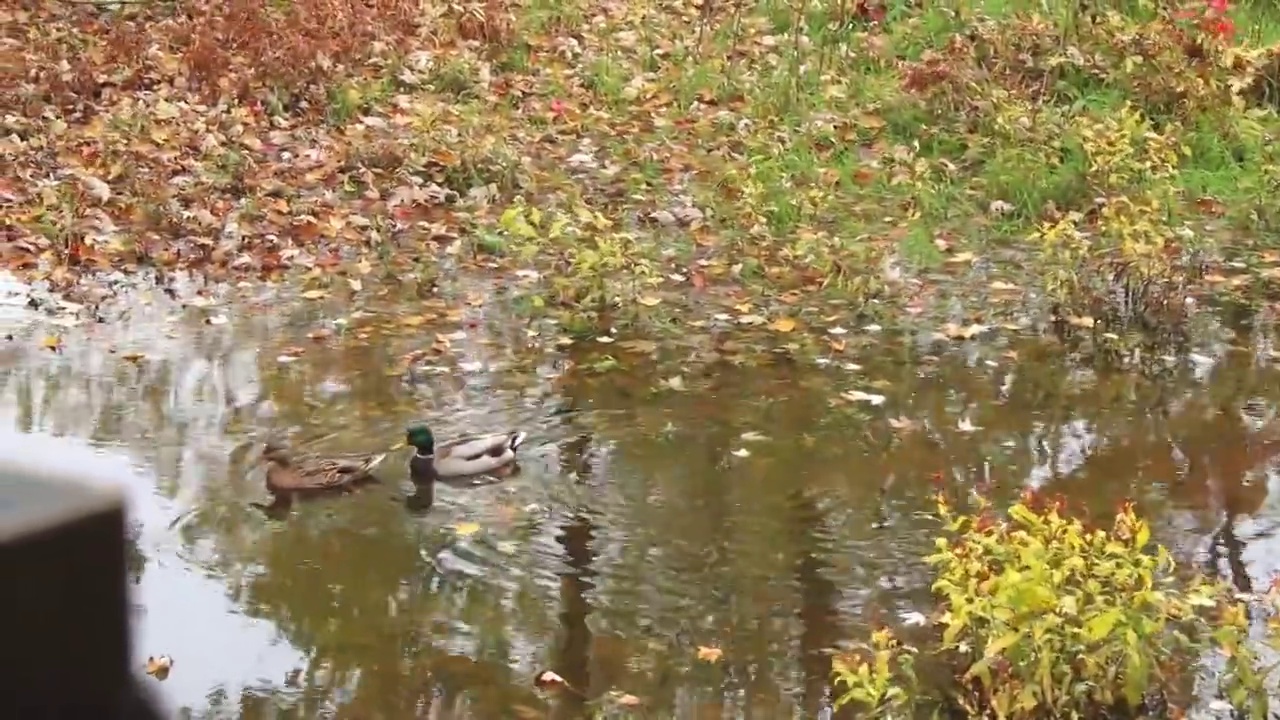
420, 437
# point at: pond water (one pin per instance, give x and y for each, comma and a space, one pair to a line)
700, 544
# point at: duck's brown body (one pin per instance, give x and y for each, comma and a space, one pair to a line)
288, 475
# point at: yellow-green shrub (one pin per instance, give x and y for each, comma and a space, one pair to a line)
1042, 616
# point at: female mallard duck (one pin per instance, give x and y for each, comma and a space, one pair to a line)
466, 456
289, 475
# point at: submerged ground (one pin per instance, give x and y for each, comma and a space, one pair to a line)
755, 278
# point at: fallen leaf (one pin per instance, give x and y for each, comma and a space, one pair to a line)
314, 294
966, 425
52, 342
628, 700
159, 667
903, 424
859, 396
648, 300
783, 325
639, 346
549, 679
133, 356
740, 452
1000, 285
952, 331
675, 383
466, 529
709, 654
958, 258
320, 333
96, 188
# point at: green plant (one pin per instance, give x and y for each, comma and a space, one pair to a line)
1047, 618
883, 685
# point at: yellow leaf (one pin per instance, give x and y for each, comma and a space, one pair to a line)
783, 325
355, 284
628, 700
871, 122
314, 294
465, 529
709, 654
648, 300
159, 667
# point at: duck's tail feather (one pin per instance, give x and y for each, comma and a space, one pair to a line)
517, 438
374, 461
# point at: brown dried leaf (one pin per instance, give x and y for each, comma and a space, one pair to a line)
710, 654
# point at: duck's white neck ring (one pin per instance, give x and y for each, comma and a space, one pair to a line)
428, 456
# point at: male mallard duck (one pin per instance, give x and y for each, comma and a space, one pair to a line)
289, 475
467, 456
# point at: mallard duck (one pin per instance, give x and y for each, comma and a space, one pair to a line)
466, 456
289, 475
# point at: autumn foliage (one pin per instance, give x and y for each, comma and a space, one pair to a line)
241, 49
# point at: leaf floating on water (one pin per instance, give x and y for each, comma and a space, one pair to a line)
753, 436
783, 325
740, 452
549, 679
628, 700
314, 294
902, 424
913, 618
639, 346
52, 342
159, 667
466, 529
952, 331
859, 396
709, 654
